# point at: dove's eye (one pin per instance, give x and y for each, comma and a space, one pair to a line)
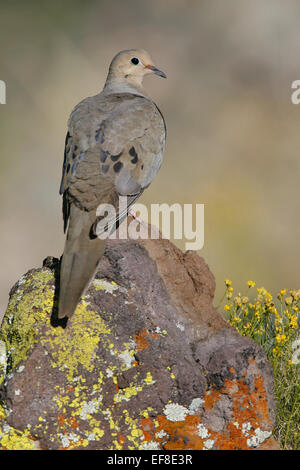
135, 61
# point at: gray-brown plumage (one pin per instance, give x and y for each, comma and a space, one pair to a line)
114, 147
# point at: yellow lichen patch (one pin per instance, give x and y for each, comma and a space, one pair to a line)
127, 393
96, 433
12, 439
2, 412
133, 389
106, 286
76, 345
134, 432
149, 379
29, 307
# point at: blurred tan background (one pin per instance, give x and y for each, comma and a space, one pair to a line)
233, 133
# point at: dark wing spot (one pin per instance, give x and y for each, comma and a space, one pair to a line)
133, 153
105, 168
97, 133
103, 156
68, 167
100, 133
67, 148
118, 166
74, 155
114, 158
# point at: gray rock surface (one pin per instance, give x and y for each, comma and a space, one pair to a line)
146, 362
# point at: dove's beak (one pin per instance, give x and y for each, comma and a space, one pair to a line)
156, 71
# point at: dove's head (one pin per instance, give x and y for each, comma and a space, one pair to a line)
130, 67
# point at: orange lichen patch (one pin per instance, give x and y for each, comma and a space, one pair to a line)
142, 339
121, 439
73, 422
249, 407
61, 420
64, 422
210, 399
182, 434
147, 427
231, 439
260, 398
246, 430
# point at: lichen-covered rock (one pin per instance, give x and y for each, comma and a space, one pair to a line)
146, 362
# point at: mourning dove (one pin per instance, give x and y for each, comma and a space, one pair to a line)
114, 147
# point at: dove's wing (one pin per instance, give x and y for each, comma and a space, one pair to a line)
114, 146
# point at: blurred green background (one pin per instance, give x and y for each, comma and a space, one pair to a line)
233, 133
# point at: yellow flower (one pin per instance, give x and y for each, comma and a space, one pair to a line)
227, 282
294, 321
226, 307
289, 300
251, 284
294, 294
273, 310
237, 319
238, 301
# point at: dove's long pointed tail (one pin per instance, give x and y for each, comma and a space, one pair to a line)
79, 262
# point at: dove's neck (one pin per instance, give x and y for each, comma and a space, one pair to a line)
117, 85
